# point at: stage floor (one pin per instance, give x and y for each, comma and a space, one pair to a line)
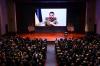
51, 36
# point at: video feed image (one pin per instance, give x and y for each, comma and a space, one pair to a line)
50, 17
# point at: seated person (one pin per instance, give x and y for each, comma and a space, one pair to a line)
51, 20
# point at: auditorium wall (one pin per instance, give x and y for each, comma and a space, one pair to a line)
75, 15
98, 16
90, 16
3, 17
11, 10
7, 17
24, 16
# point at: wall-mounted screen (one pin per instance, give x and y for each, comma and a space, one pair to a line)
51, 17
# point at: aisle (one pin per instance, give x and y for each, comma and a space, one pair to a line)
51, 58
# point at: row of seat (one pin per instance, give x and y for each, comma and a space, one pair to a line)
16, 51
78, 52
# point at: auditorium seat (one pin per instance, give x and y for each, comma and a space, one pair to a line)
78, 52
16, 51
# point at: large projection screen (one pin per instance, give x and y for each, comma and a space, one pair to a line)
51, 17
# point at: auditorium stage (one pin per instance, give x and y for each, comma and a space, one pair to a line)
51, 36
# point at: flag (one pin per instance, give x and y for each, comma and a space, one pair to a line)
39, 14
37, 23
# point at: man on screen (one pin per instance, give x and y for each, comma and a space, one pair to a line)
51, 20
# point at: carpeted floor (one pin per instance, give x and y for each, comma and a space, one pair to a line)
51, 57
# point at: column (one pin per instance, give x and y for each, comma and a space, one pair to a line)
12, 26
90, 15
3, 17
